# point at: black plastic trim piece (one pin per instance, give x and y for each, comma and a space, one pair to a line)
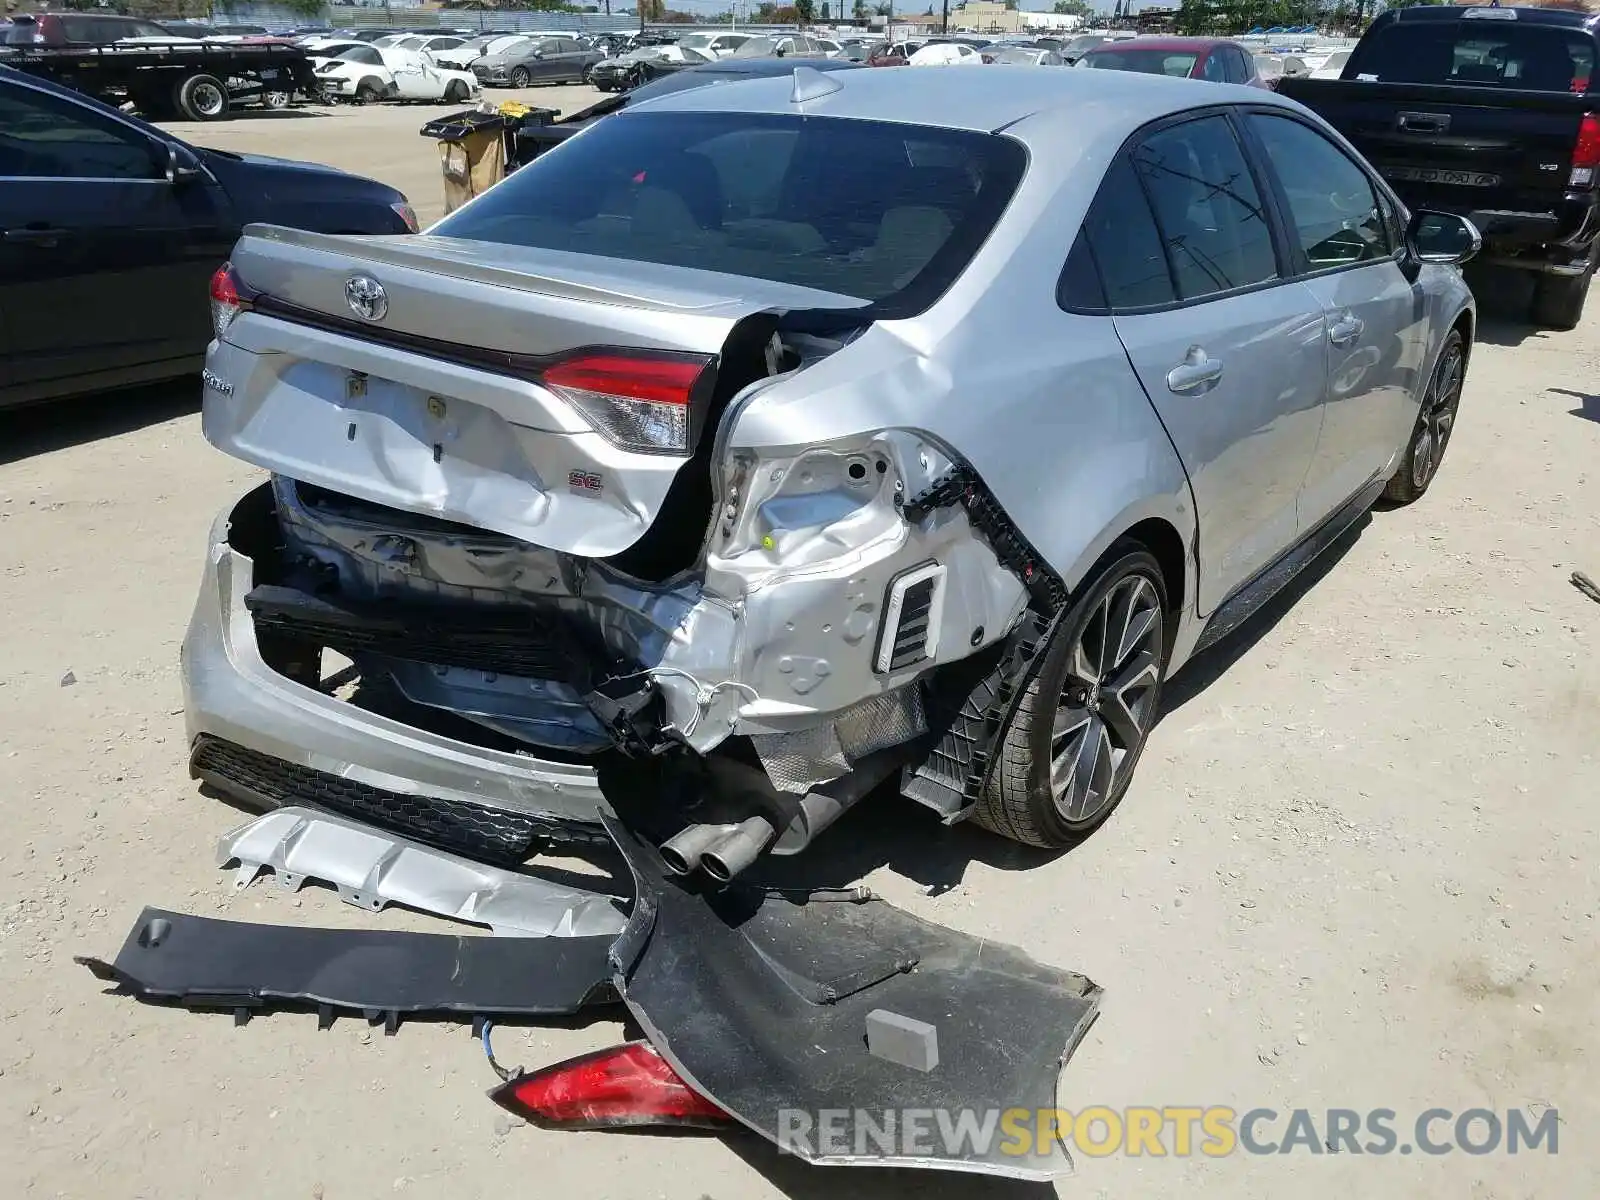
380, 973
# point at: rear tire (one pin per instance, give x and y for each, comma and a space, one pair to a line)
1558, 300
1436, 422
368, 91
202, 98
1064, 760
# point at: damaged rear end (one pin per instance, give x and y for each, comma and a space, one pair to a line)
510, 487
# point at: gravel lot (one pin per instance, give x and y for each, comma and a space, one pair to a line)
1357, 868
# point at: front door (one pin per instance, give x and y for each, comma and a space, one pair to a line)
1348, 241
104, 263
1231, 355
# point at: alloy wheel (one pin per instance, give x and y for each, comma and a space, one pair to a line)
1107, 703
1438, 417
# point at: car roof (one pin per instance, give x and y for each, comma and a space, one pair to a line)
1163, 43
1536, 16
980, 101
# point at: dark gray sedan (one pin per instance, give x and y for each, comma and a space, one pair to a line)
542, 60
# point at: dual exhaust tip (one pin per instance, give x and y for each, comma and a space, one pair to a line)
721, 851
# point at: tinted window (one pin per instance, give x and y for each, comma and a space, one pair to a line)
1210, 216
1146, 62
1240, 68
1215, 67
1079, 289
1478, 52
1332, 205
45, 136
1126, 243
879, 211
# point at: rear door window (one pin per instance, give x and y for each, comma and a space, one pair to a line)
1127, 248
887, 213
1477, 53
1212, 220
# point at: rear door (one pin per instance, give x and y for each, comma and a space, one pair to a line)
1463, 138
1345, 240
104, 264
1228, 348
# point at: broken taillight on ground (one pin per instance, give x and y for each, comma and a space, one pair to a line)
616, 1088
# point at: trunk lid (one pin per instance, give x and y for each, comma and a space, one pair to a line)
417, 372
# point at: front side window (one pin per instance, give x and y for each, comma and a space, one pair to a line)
1212, 220
886, 213
48, 137
1332, 204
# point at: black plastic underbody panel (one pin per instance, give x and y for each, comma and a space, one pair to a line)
205, 963
760, 1003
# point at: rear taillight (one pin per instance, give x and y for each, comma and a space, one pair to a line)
621, 1086
1586, 153
638, 399
229, 298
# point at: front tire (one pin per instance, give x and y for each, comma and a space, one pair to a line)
519, 77
1065, 758
1558, 300
276, 100
456, 92
1436, 421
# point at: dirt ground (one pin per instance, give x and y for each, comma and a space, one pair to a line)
1357, 868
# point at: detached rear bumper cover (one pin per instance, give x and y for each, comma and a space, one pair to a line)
757, 1002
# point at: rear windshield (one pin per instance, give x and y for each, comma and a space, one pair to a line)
887, 213
1481, 53
1148, 62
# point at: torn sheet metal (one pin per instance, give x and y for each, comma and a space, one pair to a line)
373, 869
762, 1005
205, 963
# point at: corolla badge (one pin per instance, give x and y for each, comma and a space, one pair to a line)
366, 297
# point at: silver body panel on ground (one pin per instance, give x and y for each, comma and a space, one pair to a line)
373, 869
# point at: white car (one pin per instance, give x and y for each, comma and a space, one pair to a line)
946, 54
365, 74
1332, 66
714, 45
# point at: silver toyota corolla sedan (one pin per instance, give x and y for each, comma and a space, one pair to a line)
772, 442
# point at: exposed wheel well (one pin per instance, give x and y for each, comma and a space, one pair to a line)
1166, 543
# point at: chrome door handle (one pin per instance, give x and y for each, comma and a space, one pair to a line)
1346, 330
1196, 373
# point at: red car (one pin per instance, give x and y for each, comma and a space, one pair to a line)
892, 54
1216, 59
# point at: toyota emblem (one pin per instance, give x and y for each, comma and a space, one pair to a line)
366, 297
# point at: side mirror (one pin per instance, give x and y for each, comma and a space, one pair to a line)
181, 164
1440, 237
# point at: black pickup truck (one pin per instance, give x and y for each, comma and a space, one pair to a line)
1492, 113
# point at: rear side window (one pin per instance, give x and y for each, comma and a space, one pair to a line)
1478, 53
1211, 217
886, 213
1126, 245
1332, 203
